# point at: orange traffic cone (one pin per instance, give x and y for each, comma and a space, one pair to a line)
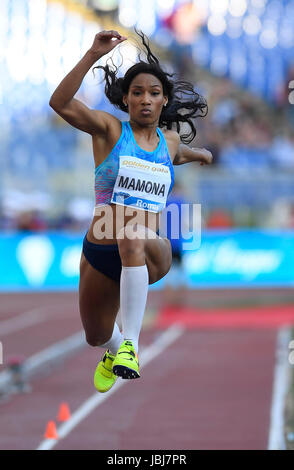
64, 413
51, 432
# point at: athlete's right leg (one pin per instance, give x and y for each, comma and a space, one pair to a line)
99, 298
99, 304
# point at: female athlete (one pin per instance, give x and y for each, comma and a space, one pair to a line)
122, 250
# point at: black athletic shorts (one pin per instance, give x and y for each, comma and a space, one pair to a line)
104, 258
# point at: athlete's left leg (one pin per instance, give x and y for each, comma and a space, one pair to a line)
145, 260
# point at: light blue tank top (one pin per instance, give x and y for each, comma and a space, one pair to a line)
106, 174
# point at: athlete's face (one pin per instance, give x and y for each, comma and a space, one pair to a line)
145, 98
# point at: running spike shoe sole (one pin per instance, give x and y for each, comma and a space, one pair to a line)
126, 363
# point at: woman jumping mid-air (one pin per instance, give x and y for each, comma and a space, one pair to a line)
122, 250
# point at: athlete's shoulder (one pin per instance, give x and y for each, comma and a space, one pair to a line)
113, 124
104, 144
110, 119
171, 135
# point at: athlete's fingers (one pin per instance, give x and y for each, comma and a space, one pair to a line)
111, 33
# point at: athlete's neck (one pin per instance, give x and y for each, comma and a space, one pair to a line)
147, 131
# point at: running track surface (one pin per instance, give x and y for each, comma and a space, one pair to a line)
210, 389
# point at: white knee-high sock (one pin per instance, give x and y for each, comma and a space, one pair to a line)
115, 341
133, 298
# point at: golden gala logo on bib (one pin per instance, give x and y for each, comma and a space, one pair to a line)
155, 168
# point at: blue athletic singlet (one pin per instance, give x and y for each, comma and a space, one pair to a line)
134, 177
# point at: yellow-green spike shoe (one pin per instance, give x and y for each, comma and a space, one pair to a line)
126, 362
104, 378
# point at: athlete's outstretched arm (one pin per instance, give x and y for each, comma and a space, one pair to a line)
187, 154
72, 110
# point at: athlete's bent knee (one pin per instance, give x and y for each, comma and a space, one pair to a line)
131, 247
133, 232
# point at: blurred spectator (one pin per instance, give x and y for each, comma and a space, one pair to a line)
68, 222
241, 131
282, 150
281, 215
219, 218
224, 112
30, 221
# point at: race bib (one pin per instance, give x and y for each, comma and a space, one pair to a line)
141, 184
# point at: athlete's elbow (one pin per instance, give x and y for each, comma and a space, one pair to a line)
57, 102
179, 159
53, 104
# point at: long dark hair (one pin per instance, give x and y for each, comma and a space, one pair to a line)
184, 103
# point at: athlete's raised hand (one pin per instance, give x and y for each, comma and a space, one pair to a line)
105, 41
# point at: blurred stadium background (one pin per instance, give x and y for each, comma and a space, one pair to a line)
239, 54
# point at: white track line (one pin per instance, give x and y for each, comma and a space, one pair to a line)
276, 440
29, 318
22, 321
55, 352
45, 358
147, 355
